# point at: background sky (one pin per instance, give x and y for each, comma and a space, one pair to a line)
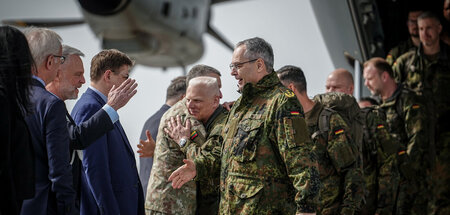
288, 25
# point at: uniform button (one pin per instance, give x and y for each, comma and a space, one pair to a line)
236, 115
243, 196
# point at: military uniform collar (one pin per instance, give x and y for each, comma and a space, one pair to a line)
213, 116
250, 90
312, 115
443, 51
395, 94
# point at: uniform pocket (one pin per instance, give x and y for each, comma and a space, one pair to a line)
244, 198
245, 146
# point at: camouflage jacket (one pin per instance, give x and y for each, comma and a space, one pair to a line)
266, 164
342, 184
380, 164
208, 187
399, 50
406, 116
167, 158
430, 78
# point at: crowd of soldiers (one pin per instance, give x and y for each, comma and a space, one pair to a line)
278, 151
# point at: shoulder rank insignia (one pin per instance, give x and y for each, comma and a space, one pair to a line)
289, 93
194, 135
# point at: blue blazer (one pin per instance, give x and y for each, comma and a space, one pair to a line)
53, 175
109, 182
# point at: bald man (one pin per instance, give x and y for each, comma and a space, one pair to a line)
340, 80
378, 148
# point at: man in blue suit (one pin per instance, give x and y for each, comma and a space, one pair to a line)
53, 177
109, 182
65, 86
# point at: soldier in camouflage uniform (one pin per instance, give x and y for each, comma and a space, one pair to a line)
267, 165
405, 117
161, 197
427, 72
413, 41
337, 155
379, 150
208, 188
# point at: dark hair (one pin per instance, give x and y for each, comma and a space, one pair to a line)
258, 48
381, 64
292, 74
110, 59
16, 64
372, 101
429, 15
200, 70
176, 88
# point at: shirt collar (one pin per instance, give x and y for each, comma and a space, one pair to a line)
99, 93
39, 79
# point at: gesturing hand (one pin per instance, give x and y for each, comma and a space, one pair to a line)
183, 174
176, 130
119, 97
147, 147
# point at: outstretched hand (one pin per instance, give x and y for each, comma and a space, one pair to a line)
119, 97
147, 147
176, 130
183, 174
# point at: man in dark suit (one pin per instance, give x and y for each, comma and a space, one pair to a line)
175, 92
65, 86
109, 182
54, 193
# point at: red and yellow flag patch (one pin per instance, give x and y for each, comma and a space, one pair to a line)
295, 113
380, 126
401, 152
340, 131
415, 106
194, 135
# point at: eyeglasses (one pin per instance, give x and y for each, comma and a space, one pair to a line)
238, 65
62, 59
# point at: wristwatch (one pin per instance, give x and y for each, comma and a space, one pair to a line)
182, 142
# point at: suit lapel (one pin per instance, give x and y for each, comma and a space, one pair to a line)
124, 137
117, 124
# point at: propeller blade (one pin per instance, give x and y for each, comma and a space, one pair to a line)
43, 22
219, 37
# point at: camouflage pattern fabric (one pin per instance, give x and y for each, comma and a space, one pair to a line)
266, 164
405, 118
168, 157
381, 174
430, 77
399, 50
208, 187
342, 183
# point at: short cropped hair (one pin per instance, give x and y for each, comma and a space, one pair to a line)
381, 64
372, 101
111, 59
429, 15
258, 48
69, 50
292, 74
200, 70
43, 42
177, 88
210, 84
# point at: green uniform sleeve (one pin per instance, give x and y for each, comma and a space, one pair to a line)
344, 156
295, 149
